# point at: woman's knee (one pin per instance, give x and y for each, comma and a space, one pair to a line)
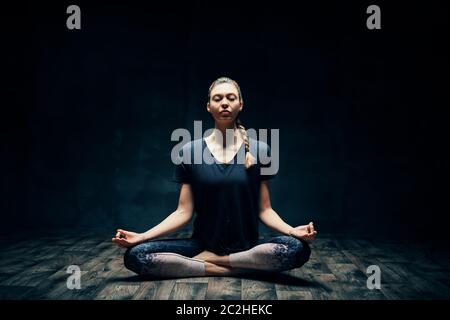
129, 259
296, 253
302, 253
133, 259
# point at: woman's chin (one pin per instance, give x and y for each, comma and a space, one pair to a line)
224, 120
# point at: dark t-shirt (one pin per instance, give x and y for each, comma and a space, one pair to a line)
226, 196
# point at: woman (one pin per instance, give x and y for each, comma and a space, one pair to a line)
229, 197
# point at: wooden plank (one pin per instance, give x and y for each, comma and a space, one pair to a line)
294, 295
320, 282
42, 289
62, 261
349, 273
118, 292
147, 291
86, 244
189, 291
164, 289
67, 241
26, 278
323, 243
352, 283
14, 292
351, 280
258, 290
401, 291
120, 275
324, 287
345, 243
56, 287
98, 263
15, 266
105, 250
92, 283
354, 292
193, 280
421, 281
336, 270
302, 279
153, 289
224, 288
333, 256
260, 294
362, 262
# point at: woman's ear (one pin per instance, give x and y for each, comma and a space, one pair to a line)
240, 108
208, 108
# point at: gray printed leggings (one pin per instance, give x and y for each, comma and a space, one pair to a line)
173, 257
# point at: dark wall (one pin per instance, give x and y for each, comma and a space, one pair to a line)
361, 113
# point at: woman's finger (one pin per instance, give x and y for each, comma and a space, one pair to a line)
123, 231
119, 241
311, 226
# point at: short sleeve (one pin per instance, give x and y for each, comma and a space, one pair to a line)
268, 170
180, 171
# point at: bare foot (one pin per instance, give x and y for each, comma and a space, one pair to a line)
212, 269
211, 257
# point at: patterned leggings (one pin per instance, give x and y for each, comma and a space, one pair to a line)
173, 257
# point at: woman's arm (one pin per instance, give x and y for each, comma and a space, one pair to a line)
271, 219
267, 215
176, 220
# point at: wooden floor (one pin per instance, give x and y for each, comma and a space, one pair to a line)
337, 270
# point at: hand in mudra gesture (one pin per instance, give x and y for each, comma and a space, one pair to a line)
127, 239
305, 232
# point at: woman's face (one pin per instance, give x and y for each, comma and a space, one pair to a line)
224, 103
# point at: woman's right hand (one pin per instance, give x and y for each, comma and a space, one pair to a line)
127, 239
306, 232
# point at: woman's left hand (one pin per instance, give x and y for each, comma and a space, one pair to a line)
305, 232
127, 239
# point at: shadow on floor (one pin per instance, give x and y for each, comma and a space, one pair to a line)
275, 278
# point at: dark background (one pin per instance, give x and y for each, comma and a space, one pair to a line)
87, 114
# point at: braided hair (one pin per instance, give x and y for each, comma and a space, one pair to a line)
249, 159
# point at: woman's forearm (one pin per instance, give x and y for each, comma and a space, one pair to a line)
172, 223
271, 219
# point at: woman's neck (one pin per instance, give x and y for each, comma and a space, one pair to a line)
221, 130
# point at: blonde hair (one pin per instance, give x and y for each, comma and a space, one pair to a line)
249, 159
